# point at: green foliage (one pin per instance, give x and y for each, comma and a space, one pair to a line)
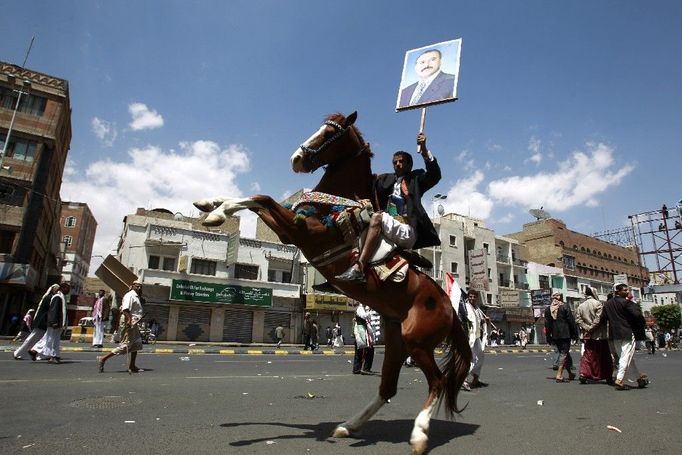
667, 316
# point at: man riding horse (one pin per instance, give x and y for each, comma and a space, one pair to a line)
403, 219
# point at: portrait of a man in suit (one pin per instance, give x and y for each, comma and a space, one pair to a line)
432, 83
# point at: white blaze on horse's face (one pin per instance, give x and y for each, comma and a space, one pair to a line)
297, 157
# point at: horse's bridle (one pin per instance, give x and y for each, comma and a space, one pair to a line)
311, 157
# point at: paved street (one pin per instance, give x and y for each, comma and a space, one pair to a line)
289, 404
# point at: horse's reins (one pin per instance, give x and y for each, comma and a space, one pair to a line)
311, 158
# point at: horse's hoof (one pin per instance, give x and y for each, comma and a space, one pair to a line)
419, 447
213, 220
340, 432
205, 205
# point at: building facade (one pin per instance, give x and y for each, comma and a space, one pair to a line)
208, 284
584, 260
35, 134
78, 227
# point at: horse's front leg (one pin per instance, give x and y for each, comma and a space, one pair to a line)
220, 208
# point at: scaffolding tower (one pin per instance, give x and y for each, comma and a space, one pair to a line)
658, 234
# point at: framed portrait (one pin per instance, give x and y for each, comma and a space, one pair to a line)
430, 75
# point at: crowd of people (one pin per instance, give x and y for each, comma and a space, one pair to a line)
609, 332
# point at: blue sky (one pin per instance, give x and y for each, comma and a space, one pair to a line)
572, 106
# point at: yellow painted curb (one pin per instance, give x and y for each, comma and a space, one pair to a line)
196, 351
254, 352
163, 351
227, 351
281, 353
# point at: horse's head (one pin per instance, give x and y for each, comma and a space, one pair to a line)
335, 140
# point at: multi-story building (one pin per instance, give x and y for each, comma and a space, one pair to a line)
459, 235
584, 260
78, 227
208, 284
35, 135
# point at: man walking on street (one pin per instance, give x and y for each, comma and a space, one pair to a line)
131, 338
626, 327
97, 309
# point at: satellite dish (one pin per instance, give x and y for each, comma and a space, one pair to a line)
441, 209
540, 214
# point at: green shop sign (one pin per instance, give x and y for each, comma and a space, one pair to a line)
194, 291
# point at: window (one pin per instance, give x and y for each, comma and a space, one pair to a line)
453, 241
203, 267
153, 262
272, 275
30, 104
489, 298
572, 282
247, 272
544, 281
169, 264
19, 149
489, 272
286, 277
67, 240
569, 262
453, 267
486, 247
70, 221
6, 241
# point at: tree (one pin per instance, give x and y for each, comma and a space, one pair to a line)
667, 316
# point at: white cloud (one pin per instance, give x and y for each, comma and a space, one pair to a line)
144, 118
463, 155
463, 198
153, 178
105, 131
577, 181
534, 145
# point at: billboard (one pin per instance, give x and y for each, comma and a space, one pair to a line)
195, 291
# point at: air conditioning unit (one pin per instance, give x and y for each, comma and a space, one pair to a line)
182, 264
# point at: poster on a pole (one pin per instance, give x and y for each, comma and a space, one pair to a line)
430, 75
478, 270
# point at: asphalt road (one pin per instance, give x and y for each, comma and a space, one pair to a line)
274, 404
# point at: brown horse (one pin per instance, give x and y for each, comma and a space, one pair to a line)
417, 312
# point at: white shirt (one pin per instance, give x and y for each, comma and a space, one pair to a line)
131, 302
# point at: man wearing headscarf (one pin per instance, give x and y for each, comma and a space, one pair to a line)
97, 311
56, 322
131, 338
561, 329
478, 333
596, 363
39, 326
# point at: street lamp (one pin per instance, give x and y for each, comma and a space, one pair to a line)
26, 85
441, 210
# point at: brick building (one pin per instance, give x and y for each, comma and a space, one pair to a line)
35, 113
583, 259
78, 227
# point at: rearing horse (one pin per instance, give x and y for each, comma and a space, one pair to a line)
417, 312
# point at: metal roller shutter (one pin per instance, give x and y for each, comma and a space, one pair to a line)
271, 321
194, 324
238, 326
158, 313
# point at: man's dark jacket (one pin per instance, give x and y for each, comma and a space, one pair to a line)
418, 181
563, 327
55, 318
40, 319
625, 319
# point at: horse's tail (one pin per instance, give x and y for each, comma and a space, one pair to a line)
456, 365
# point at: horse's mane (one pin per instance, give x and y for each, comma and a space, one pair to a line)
340, 118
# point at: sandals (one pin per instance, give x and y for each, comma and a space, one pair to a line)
620, 386
100, 364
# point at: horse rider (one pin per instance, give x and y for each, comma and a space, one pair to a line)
402, 218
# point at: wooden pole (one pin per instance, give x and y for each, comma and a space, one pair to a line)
422, 123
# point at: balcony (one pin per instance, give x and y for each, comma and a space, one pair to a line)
502, 258
519, 262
